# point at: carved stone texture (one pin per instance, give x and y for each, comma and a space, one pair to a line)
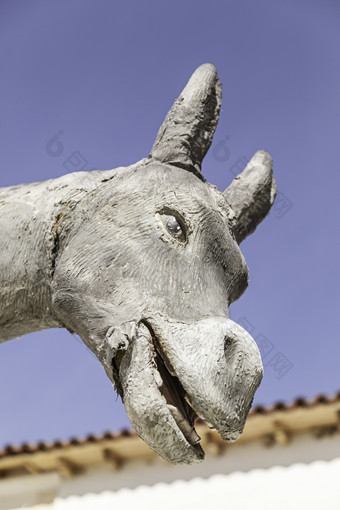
142, 262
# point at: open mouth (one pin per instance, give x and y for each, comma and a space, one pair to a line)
176, 399
174, 396
169, 374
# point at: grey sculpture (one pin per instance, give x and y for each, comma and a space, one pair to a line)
142, 263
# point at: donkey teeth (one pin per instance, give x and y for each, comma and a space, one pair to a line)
189, 432
158, 378
211, 427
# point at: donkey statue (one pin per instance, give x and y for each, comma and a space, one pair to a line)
142, 263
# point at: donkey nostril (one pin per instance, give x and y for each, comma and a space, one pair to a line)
228, 341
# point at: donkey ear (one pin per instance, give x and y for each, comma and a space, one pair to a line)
187, 131
251, 194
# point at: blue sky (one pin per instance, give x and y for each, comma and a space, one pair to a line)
102, 76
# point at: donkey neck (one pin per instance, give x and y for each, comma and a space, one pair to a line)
30, 216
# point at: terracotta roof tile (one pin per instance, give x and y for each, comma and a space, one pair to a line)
298, 402
11, 450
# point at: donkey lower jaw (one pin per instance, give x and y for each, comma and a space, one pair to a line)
159, 415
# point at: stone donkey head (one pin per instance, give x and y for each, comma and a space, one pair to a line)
147, 265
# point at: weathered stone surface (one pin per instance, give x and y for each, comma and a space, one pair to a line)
142, 262
251, 194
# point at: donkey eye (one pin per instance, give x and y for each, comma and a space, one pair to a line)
174, 226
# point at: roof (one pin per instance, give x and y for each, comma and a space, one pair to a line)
277, 423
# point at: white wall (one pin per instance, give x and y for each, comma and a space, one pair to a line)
304, 474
